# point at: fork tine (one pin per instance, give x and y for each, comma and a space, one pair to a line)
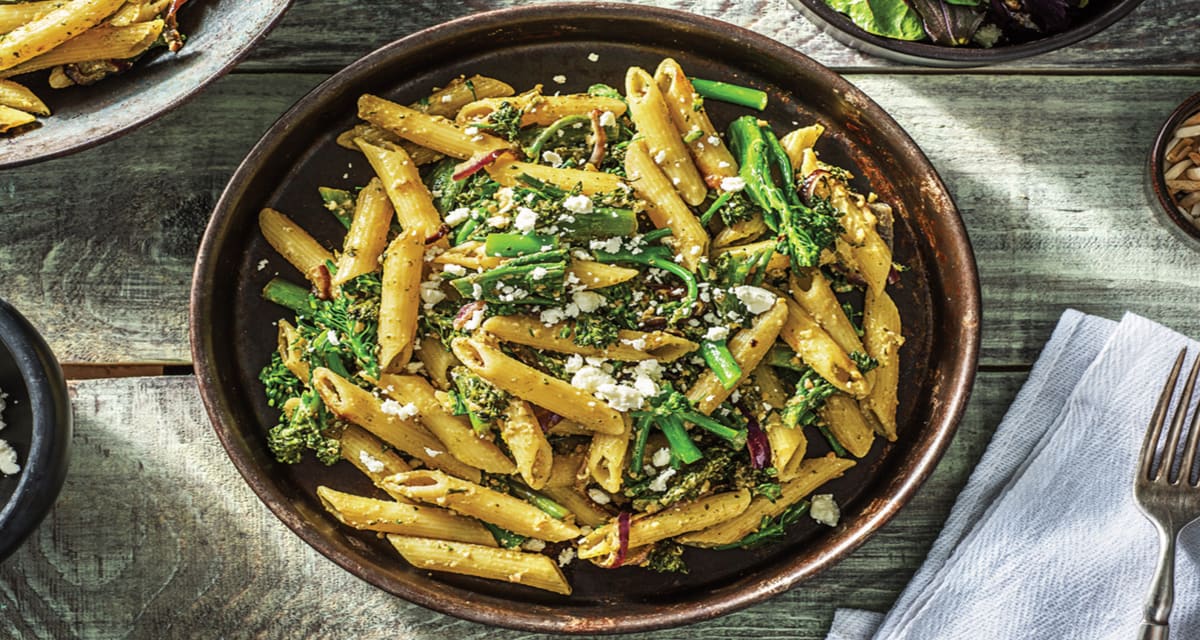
1146, 458
1181, 409
1189, 451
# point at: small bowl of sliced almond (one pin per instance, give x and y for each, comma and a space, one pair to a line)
1174, 180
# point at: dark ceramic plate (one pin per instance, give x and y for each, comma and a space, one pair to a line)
232, 332
1156, 183
38, 419
1101, 14
220, 32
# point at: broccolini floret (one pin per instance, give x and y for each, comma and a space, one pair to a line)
484, 403
504, 122
811, 392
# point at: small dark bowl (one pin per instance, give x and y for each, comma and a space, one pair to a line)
219, 32
1156, 185
38, 419
938, 297
1102, 14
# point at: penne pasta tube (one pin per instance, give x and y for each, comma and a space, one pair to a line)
586, 512
403, 518
471, 499
381, 137
811, 290
537, 109
860, 246
649, 112
712, 157
12, 118
454, 431
400, 300
741, 230
882, 339
138, 11
813, 473
21, 98
523, 381
460, 92
788, 446
433, 132
294, 244
402, 182
437, 361
51, 29
372, 457
841, 414
631, 345
20, 14
797, 141
507, 172
776, 266
469, 254
530, 449
604, 543
567, 469
664, 206
748, 348
530, 569
99, 43
291, 350
368, 234
354, 404
606, 457
597, 275
819, 351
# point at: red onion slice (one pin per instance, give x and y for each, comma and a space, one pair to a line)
477, 164
756, 440
465, 312
622, 540
811, 181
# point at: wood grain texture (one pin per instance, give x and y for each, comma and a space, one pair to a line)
327, 35
1047, 171
156, 536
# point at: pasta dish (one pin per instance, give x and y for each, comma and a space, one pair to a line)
584, 327
79, 41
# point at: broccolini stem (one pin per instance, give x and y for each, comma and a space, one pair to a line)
286, 294
602, 222
718, 358
783, 357
731, 93
339, 202
538, 278
838, 449
550, 507
639, 444
656, 235
716, 205
657, 257
735, 437
504, 537
466, 229
511, 245
534, 150
682, 447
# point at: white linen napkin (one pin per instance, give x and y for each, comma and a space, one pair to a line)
1045, 540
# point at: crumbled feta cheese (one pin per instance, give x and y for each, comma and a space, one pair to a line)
474, 321
573, 363
374, 465
416, 365
498, 222
431, 291
824, 509
661, 458
588, 301
716, 334
733, 183
432, 453
659, 484
471, 130
608, 119
551, 158
566, 556
598, 496
402, 411
593, 57
538, 273
611, 245
534, 545
650, 368
714, 140
645, 386
756, 299
638, 344
455, 217
559, 79
526, 219
262, 264
578, 204
332, 337
552, 316
455, 269
660, 157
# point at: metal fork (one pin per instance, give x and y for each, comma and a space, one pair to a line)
1170, 500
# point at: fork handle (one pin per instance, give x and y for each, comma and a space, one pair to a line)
1162, 592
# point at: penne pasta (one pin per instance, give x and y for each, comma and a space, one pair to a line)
691, 120
841, 414
400, 179
664, 206
530, 449
539, 388
819, 351
664, 144
295, 245
13, 118
882, 339
538, 109
20, 98
51, 29
812, 292
437, 361
99, 43
585, 511
400, 302
433, 132
606, 458
368, 235
372, 457
748, 347
508, 172
799, 141
291, 350
631, 345
530, 569
407, 519
597, 275
488, 505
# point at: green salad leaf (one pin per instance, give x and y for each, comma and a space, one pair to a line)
887, 18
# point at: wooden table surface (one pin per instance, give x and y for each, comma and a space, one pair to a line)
156, 536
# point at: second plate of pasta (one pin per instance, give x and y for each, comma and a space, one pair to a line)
598, 323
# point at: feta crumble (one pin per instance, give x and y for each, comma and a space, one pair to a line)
756, 299
373, 464
526, 219
559, 79
552, 158
659, 484
262, 264
402, 411
733, 183
716, 334
661, 458
588, 301
332, 338
578, 204
598, 496
593, 57
455, 217
825, 510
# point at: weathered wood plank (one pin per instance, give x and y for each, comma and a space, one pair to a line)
1046, 169
156, 536
328, 35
